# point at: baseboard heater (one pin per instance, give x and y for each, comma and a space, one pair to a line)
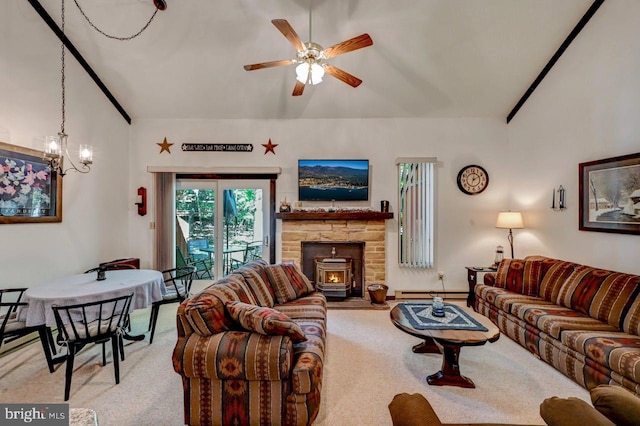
424, 294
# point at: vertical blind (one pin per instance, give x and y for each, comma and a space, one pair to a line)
165, 248
415, 221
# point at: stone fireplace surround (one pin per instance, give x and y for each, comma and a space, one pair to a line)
369, 229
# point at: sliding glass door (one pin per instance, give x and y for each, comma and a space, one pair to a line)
225, 222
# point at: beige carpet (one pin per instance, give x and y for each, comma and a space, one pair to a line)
357, 303
368, 361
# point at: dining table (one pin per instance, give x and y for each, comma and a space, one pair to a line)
146, 285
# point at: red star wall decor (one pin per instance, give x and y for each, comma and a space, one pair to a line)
269, 147
164, 146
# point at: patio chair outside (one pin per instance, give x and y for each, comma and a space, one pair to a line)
253, 251
203, 267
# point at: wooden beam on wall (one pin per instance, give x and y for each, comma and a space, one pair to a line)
587, 16
63, 38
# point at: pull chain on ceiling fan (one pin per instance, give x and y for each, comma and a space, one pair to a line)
310, 57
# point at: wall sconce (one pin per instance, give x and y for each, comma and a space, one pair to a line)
558, 203
141, 201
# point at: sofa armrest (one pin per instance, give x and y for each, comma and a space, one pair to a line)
411, 410
306, 374
308, 357
571, 411
490, 279
617, 404
234, 355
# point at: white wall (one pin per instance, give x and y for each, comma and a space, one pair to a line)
465, 232
586, 109
94, 225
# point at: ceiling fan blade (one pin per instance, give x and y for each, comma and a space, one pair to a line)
350, 45
268, 64
287, 30
298, 89
341, 75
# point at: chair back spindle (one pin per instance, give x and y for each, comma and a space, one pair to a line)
92, 322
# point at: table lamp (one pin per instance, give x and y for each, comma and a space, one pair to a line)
510, 220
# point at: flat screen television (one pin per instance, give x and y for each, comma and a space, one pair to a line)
327, 180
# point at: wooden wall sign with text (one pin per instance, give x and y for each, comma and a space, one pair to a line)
218, 147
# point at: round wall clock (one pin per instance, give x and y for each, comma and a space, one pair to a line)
472, 179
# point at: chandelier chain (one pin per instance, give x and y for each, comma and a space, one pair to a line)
116, 37
62, 71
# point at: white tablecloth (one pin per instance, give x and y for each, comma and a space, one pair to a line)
146, 285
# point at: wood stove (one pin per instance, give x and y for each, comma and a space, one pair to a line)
334, 276
348, 250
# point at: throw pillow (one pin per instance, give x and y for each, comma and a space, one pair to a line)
258, 282
571, 411
264, 320
288, 282
520, 276
617, 404
554, 278
205, 313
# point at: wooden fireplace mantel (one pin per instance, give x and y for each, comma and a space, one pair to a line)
339, 215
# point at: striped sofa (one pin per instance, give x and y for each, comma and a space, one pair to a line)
583, 321
250, 348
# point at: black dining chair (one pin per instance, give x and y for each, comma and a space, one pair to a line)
11, 328
116, 265
93, 322
178, 285
111, 266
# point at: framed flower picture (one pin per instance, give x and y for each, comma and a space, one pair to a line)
29, 191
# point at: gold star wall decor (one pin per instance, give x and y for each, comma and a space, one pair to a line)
269, 147
164, 146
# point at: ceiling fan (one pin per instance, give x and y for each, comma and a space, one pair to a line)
310, 57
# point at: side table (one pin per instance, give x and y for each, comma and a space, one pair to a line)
472, 278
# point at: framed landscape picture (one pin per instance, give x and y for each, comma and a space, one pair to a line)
610, 195
29, 191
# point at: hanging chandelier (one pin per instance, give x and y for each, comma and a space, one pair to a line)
55, 147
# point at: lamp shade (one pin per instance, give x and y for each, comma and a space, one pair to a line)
509, 220
302, 73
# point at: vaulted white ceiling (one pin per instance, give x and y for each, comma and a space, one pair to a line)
430, 58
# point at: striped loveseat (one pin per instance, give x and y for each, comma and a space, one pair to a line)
250, 348
583, 321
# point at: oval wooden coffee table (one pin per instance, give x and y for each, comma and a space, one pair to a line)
448, 342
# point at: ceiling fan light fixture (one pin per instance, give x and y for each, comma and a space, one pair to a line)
310, 58
303, 75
